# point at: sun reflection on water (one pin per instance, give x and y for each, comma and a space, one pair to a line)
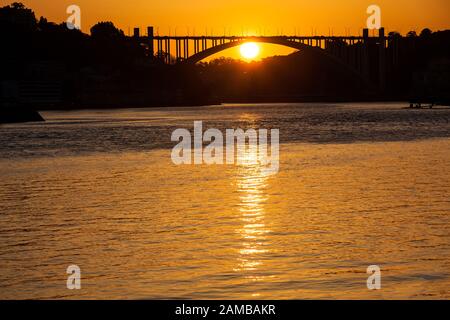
252, 184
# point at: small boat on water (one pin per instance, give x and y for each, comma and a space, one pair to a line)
419, 105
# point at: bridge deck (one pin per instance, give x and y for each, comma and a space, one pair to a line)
255, 37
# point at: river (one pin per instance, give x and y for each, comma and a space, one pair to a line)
358, 185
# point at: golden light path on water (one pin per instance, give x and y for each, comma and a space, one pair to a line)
141, 227
251, 184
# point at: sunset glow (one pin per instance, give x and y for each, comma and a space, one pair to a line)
200, 155
250, 18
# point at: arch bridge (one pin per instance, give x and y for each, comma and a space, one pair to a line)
350, 52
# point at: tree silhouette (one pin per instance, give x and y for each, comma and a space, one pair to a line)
17, 6
106, 30
426, 33
394, 34
16, 17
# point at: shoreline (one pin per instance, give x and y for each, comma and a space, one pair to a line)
22, 114
73, 107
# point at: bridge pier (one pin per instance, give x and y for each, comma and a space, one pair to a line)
150, 36
136, 33
365, 55
196, 45
159, 44
382, 59
168, 58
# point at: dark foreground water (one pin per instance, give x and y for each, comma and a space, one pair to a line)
359, 185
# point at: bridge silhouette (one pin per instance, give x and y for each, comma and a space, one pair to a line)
352, 53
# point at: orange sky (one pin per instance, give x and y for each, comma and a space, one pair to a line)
268, 17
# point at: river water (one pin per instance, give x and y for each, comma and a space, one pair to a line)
358, 185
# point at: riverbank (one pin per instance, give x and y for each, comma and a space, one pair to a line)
219, 101
13, 115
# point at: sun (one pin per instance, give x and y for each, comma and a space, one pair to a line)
249, 50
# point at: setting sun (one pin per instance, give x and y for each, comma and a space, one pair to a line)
249, 50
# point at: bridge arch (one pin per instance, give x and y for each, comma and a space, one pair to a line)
278, 41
